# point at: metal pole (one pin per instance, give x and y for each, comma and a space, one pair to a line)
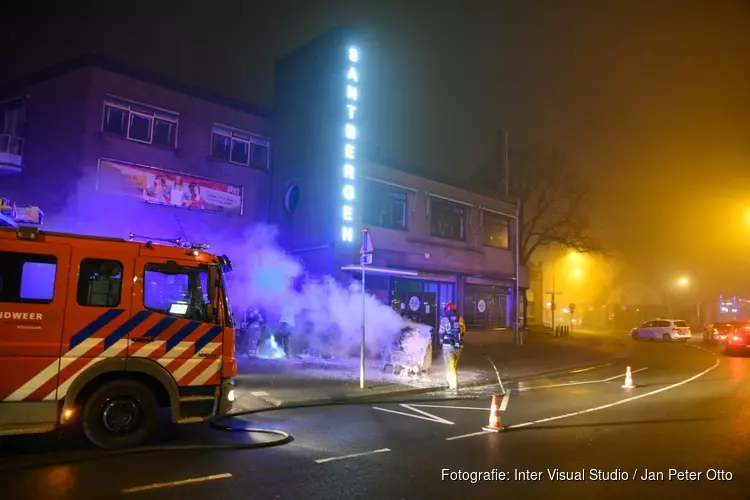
505, 165
516, 288
554, 294
698, 310
362, 348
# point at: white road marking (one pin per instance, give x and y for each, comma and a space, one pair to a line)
194, 480
504, 402
428, 416
566, 384
603, 407
260, 393
454, 407
354, 455
466, 435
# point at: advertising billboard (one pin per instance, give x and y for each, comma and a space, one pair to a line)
162, 187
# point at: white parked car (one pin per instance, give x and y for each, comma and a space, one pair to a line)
662, 329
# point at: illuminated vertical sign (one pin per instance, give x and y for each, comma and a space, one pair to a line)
350, 145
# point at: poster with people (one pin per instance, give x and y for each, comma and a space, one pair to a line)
162, 187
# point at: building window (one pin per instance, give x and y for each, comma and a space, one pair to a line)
238, 147
181, 292
384, 205
291, 200
140, 123
99, 283
447, 220
12, 126
495, 230
27, 278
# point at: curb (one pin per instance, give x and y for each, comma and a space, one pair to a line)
364, 396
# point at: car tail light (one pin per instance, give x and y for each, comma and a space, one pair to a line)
736, 338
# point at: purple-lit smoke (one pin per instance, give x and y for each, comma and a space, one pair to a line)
328, 315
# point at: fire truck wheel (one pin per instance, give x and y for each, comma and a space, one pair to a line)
120, 414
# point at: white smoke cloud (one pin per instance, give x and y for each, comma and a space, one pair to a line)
328, 313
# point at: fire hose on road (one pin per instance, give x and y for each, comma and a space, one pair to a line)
220, 423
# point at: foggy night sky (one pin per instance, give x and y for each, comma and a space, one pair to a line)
650, 98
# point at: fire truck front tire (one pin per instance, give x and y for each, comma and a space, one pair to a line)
120, 414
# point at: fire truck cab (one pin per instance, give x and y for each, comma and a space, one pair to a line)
106, 331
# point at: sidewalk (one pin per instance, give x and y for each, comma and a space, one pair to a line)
263, 383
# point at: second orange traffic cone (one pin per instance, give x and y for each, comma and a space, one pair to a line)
495, 424
628, 380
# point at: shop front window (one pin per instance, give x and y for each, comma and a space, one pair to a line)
486, 307
420, 300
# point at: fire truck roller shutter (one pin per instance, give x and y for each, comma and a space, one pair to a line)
151, 374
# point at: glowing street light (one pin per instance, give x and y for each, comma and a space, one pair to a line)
577, 272
684, 282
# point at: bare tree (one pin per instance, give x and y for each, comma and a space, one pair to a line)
554, 200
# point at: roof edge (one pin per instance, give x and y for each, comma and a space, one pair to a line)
116, 66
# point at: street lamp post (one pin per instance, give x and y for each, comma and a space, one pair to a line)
554, 293
684, 283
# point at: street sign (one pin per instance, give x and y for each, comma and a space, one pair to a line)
572, 307
365, 259
367, 246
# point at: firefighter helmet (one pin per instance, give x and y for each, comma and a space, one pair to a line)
450, 306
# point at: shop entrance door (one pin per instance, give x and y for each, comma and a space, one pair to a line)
422, 301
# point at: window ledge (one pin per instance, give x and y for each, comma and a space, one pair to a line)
400, 229
240, 165
447, 243
136, 141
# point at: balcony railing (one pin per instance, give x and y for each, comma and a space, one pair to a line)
11, 145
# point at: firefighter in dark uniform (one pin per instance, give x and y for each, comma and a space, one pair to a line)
451, 339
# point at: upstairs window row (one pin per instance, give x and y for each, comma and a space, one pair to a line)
158, 127
386, 206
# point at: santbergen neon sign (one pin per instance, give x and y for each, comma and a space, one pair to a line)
350, 144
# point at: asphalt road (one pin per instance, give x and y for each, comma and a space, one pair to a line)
689, 411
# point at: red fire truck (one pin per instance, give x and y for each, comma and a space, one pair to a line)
106, 331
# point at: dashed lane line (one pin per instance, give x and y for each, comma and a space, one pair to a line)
353, 455
523, 388
602, 407
156, 486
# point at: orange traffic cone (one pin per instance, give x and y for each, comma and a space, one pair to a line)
495, 424
628, 380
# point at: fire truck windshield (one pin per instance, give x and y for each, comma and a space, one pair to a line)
177, 290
